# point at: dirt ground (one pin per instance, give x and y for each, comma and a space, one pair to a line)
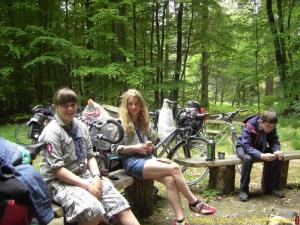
230, 210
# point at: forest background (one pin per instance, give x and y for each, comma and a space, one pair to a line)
234, 52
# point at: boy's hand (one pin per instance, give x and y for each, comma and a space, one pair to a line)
95, 188
279, 155
268, 157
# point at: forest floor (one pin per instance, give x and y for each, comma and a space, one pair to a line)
230, 210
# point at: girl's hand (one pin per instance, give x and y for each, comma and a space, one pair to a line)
150, 146
142, 148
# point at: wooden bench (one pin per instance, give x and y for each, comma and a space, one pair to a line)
222, 171
138, 193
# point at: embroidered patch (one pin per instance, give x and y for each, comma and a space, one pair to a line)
49, 148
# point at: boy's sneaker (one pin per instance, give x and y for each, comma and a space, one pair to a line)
202, 208
184, 222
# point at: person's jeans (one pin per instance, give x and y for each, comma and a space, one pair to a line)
271, 172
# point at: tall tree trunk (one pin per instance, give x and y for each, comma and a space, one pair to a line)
187, 48
119, 29
205, 76
281, 38
167, 46
256, 61
269, 86
278, 51
216, 88
178, 50
151, 49
291, 7
222, 92
161, 70
158, 52
10, 14
205, 56
67, 34
134, 34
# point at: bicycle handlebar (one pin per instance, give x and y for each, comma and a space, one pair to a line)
99, 125
229, 115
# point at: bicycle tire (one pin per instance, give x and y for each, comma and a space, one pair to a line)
21, 134
197, 148
233, 141
110, 122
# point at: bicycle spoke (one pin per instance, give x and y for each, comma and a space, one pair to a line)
197, 148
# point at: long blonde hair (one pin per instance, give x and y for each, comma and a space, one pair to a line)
143, 116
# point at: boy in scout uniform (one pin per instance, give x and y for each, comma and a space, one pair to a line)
71, 172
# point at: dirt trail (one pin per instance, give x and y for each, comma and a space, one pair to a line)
231, 211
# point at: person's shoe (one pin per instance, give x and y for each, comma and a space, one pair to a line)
184, 222
202, 208
277, 193
243, 196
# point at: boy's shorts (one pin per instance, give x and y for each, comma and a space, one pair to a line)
81, 206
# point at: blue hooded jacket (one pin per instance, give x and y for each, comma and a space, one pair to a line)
255, 141
27, 175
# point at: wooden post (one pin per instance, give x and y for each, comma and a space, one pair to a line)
284, 174
222, 178
265, 180
140, 197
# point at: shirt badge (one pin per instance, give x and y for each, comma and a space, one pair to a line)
49, 148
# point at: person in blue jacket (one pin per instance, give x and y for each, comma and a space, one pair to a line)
259, 140
22, 183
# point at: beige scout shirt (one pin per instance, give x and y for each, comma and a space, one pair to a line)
60, 150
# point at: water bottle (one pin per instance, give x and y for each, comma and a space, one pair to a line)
211, 147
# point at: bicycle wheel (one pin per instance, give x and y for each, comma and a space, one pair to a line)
21, 134
233, 140
195, 149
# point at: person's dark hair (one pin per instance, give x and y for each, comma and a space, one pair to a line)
269, 117
63, 96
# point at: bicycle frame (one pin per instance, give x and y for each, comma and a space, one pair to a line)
227, 118
166, 142
180, 135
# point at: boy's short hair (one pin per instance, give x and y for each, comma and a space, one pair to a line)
63, 96
269, 117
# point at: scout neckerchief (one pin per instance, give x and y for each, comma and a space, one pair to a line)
73, 132
139, 134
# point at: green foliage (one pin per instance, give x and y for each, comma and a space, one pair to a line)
43, 60
8, 132
6, 71
100, 49
296, 107
211, 193
113, 70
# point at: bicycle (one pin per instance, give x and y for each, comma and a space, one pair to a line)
228, 119
184, 141
29, 132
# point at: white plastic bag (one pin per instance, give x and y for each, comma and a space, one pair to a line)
94, 111
165, 121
